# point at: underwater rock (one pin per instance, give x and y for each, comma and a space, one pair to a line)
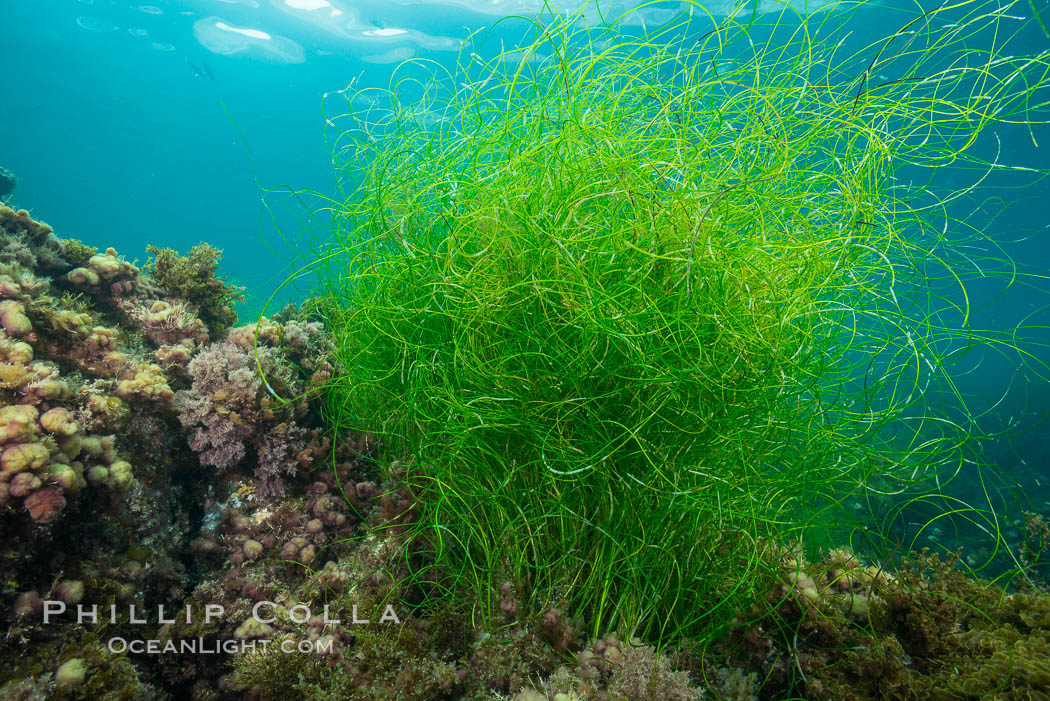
30, 248
88, 340
838, 627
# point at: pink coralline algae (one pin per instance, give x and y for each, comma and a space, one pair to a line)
45, 456
172, 325
248, 397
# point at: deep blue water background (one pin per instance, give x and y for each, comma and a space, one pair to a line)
120, 138
125, 129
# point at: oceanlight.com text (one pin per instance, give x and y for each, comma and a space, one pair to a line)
200, 646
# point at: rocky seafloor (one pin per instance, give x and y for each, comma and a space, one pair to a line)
177, 522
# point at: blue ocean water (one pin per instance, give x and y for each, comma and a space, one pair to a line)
181, 121
131, 123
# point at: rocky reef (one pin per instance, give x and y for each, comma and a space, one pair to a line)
133, 423
178, 523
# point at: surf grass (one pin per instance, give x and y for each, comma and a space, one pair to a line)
635, 306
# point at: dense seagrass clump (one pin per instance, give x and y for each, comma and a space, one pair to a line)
634, 304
